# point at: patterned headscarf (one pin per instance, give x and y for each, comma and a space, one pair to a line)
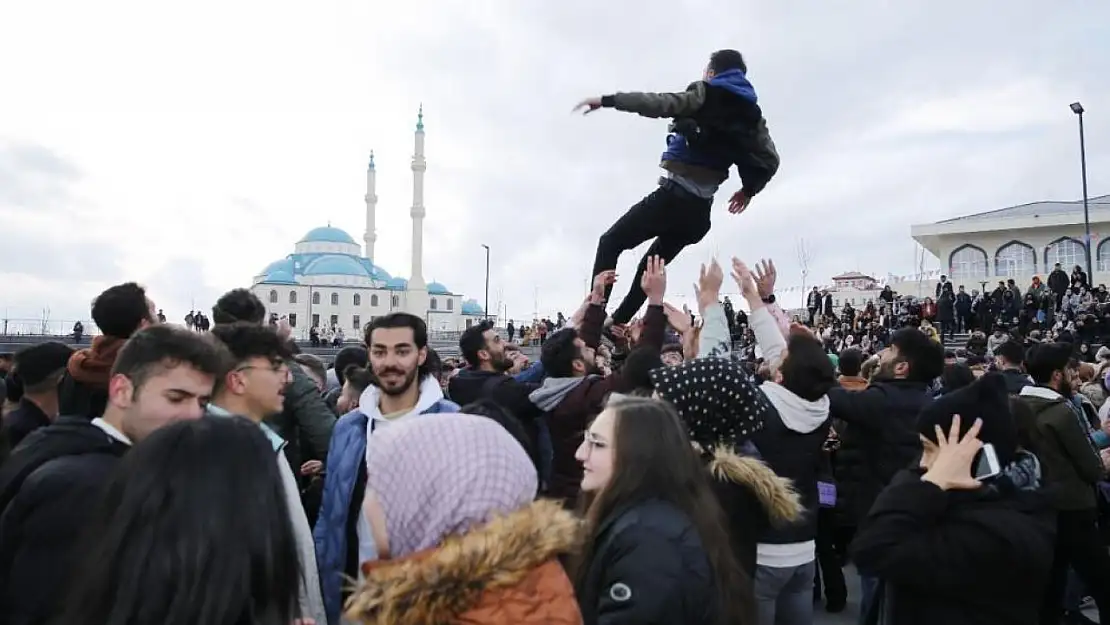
441, 474
716, 398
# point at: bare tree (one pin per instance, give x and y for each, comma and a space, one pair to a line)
805, 258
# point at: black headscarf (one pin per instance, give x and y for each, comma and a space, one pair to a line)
716, 398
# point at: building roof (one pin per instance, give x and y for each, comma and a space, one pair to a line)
397, 284
437, 288
1033, 209
336, 265
853, 275
472, 307
327, 234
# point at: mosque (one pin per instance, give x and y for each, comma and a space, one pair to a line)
329, 282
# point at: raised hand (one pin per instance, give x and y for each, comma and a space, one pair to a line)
602, 281
739, 202
951, 468
765, 276
654, 280
708, 289
587, 106
678, 319
746, 281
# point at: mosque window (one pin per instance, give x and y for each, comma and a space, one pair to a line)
433, 303
967, 262
273, 296
1104, 255
316, 319
374, 300
450, 304
1015, 259
356, 323
357, 300
335, 299
1066, 251
316, 300
396, 301
292, 297
292, 320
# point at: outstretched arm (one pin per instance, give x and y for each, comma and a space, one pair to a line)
678, 104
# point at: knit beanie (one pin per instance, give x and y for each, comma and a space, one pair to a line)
440, 474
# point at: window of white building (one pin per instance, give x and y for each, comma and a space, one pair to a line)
357, 300
335, 299
316, 300
967, 262
1015, 259
273, 296
1067, 252
374, 300
292, 297
356, 323
450, 304
292, 320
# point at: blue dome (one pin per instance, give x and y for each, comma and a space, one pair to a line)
375, 271
327, 234
285, 264
397, 284
336, 265
471, 307
435, 288
279, 277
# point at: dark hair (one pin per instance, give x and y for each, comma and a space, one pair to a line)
473, 340
672, 347
193, 527
248, 340
924, 356
851, 361
360, 378
956, 376
654, 459
807, 371
399, 320
493, 410
1044, 359
559, 352
158, 348
637, 368
121, 309
238, 305
724, 60
350, 355
433, 364
1011, 352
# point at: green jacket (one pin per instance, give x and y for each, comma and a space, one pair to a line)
1060, 439
306, 420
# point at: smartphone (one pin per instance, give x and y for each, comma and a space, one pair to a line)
985, 465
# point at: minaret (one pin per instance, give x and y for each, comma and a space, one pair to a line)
371, 234
417, 295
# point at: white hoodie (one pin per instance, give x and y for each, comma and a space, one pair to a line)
369, 404
797, 414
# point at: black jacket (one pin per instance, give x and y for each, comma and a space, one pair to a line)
305, 421
797, 457
471, 385
879, 439
976, 557
25, 419
648, 566
49, 490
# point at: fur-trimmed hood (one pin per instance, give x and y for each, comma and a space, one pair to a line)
505, 572
777, 494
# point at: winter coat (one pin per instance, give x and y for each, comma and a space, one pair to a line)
305, 418
648, 566
505, 572
946, 307
1060, 439
958, 557
754, 500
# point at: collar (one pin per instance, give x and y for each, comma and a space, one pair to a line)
276, 441
111, 431
1042, 392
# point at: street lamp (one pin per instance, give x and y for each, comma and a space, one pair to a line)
1077, 108
486, 309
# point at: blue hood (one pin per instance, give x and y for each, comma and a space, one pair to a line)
735, 81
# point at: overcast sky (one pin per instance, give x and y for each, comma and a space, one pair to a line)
187, 147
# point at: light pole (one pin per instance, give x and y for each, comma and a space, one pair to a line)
486, 308
1077, 108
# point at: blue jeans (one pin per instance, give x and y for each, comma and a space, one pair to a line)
785, 595
867, 587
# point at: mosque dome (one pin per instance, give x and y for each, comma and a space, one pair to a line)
279, 277
335, 265
437, 288
284, 264
327, 234
472, 307
397, 284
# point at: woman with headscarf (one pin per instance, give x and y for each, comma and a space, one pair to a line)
449, 499
722, 409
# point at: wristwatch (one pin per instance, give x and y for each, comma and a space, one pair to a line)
770, 299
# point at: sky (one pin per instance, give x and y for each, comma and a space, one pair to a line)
186, 146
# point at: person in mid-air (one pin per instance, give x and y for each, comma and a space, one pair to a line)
717, 123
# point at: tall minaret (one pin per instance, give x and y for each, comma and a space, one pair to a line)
416, 299
371, 234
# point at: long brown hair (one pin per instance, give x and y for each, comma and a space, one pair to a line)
653, 459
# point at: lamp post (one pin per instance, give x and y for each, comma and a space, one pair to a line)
486, 308
1077, 108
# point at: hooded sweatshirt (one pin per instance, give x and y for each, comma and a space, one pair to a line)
792, 446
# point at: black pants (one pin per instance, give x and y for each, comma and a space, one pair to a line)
830, 560
1078, 545
671, 215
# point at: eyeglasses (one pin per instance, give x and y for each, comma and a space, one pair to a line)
594, 442
276, 365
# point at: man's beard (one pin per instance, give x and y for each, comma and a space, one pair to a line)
1065, 388
502, 364
408, 379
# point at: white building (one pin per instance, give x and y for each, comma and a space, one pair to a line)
328, 281
1020, 242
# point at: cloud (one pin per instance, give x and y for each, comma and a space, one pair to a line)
191, 152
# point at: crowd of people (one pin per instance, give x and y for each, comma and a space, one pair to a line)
648, 472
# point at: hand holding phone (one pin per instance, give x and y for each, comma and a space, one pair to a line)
956, 456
